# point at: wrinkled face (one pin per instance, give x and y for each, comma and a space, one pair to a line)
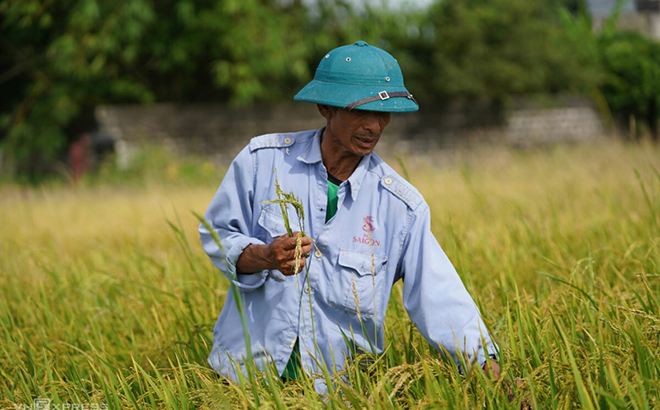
355, 131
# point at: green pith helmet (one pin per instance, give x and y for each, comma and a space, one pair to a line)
360, 77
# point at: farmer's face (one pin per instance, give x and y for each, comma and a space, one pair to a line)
354, 131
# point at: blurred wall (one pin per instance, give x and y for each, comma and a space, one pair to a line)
220, 132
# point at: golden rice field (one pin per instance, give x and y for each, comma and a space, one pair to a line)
108, 301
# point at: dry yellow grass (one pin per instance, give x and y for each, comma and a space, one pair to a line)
102, 301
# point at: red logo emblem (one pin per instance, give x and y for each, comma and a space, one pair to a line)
366, 238
368, 227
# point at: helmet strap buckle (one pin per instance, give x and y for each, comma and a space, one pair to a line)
384, 95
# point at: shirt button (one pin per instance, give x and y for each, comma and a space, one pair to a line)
388, 181
318, 253
287, 140
306, 290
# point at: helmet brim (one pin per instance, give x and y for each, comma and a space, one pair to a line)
340, 95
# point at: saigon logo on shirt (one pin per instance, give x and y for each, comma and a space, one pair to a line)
368, 227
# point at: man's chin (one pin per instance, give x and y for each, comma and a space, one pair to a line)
363, 152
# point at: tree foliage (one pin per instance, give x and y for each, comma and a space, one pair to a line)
632, 83
73, 54
60, 59
68, 54
501, 47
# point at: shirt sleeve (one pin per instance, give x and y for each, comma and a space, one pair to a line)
230, 215
436, 299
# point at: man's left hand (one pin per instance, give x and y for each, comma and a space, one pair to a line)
493, 371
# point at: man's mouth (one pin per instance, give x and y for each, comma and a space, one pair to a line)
367, 140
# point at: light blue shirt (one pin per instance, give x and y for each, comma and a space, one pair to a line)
381, 233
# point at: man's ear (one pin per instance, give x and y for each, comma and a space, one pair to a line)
325, 110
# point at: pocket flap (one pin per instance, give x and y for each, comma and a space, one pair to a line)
361, 262
272, 221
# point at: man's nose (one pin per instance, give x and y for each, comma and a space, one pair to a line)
372, 123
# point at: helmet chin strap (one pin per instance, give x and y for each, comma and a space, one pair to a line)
381, 96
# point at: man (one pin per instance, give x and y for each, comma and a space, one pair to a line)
365, 228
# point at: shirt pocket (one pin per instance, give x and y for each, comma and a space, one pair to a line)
356, 282
272, 221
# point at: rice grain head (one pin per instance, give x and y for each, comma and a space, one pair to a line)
298, 253
356, 297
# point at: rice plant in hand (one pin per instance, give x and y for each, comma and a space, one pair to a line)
284, 199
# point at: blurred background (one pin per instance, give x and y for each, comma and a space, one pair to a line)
86, 85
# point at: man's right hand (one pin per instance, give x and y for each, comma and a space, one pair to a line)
280, 254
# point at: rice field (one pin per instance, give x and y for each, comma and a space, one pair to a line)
108, 301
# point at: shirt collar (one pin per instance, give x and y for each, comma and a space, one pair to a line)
312, 155
356, 178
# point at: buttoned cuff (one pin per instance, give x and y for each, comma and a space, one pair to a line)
245, 282
480, 360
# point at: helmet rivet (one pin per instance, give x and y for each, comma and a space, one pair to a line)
348, 59
327, 56
387, 79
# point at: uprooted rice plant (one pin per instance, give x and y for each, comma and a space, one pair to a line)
106, 297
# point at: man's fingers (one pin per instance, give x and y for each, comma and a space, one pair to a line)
306, 240
289, 268
301, 265
306, 249
290, 242
283, 253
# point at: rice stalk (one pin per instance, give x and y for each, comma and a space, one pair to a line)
373, 282
356, 297
240, 306
284, 199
